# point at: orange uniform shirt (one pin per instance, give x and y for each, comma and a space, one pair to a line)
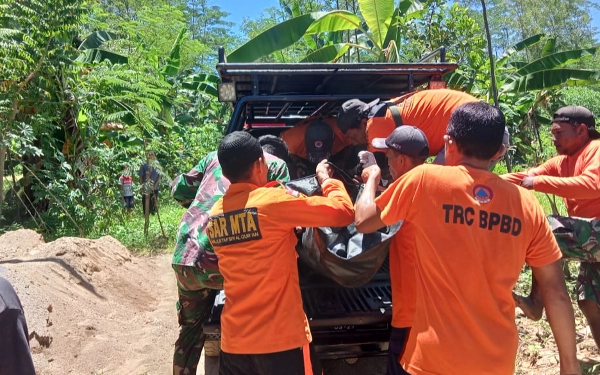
576, 178
294, 137
252, 231
402, 276
473, 233
428, 110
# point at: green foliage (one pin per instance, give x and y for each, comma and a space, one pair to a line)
588, 97
375, 30
146, 37
569, 21
290, 31
528, 90
439, 24
207, 25
378, 16
78, 108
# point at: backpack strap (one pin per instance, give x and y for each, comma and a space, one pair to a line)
395, 113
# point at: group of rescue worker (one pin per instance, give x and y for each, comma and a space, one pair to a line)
466, 234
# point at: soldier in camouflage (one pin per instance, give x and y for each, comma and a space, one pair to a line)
574, 175
194, 260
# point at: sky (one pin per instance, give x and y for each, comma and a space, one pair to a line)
239, 9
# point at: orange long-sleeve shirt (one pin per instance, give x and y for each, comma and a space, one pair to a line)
252, 231
575, 178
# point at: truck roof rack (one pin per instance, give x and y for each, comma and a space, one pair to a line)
283, 94
378, 79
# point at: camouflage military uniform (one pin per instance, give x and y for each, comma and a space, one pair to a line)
194, 260
579, 239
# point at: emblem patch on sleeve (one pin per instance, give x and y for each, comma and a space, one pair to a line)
234, 227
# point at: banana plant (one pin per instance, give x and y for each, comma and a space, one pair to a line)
92, 51
375, 33
515, 75
528, 89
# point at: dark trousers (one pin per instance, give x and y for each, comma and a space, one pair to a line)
15, 357
300, 361
398, 339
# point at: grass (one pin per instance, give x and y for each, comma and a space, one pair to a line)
547, 200
131, 232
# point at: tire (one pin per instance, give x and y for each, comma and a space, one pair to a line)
363, 366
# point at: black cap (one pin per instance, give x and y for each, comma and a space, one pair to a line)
352, 112
577, 115
237, 152
318, 139
275, 146
405, 139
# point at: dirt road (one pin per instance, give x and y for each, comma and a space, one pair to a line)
94, 308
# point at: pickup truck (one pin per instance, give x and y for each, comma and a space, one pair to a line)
350, 326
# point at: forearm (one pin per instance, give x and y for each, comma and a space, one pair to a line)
334, 209
559, 311
560, 316
515, 178
339, 208
366, 210
580, 187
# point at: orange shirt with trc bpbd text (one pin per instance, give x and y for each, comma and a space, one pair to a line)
473, 232
402, 276
252, 231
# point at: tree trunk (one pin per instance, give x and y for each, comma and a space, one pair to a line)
2, 159
490, 54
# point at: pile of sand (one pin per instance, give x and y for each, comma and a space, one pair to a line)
92, 307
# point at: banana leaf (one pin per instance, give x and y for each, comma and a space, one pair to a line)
555, 60
548, 79
378, 16
96, 55
328, 53
97, 39
173, 64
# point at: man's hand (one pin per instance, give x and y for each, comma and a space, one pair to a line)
527, 182
373, 172
323, 171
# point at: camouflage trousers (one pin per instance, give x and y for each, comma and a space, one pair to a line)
579, 239
193, 309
